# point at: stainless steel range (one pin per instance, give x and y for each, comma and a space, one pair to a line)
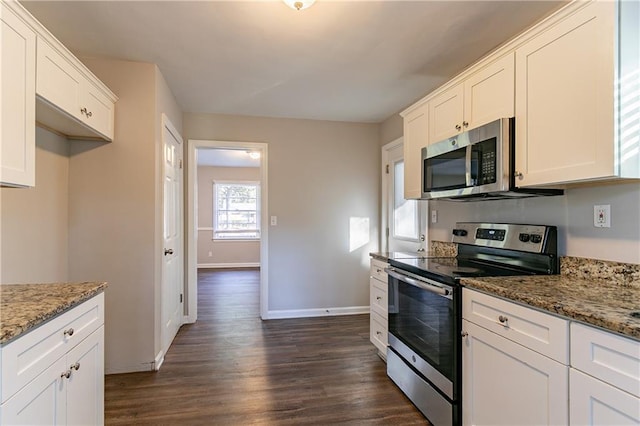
424, 354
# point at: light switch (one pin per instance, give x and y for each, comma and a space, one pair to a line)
274, 220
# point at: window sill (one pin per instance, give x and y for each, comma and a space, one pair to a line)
234, 240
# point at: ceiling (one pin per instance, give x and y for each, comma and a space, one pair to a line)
352, 60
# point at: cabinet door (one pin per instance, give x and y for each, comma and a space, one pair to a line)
489, 94
504, 383
98, 109
446, 114
564, 100
596, 403
17, 121
41, 402
85, 388
58, 81
416, 136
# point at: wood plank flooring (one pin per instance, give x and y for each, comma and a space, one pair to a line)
231, 368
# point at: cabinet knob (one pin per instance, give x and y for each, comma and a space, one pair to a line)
518, 175
378, 270
464, 334
465, 123
75, 366
458, 127
503, 319
89, 114
378, 298
379, 333
65, 374
68, 332
83, 111
168, 251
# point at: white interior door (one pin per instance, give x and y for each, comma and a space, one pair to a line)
406, 221
172, 272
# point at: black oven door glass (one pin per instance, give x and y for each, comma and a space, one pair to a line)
425, 322
483, 162
446, 171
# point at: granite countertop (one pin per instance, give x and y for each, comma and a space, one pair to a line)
436, 249
26, 306
605, 303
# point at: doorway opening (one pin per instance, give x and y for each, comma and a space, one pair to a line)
404, 224
226, 224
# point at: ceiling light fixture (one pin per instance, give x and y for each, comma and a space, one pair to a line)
299, 4
254, 155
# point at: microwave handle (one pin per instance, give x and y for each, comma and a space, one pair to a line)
467, 174
419, 283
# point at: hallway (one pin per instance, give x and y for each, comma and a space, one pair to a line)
232, 368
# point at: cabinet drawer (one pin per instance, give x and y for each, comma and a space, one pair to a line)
611, 358
31, 354
543, 333
378, 297
377, 270
378, 332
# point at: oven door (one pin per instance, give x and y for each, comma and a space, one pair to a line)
423, 324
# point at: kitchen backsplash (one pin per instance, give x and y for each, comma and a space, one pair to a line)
440, 248
625, 274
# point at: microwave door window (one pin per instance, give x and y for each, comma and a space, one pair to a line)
446, 171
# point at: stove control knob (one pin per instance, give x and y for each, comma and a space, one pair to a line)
536, 238
460, 232
523, 237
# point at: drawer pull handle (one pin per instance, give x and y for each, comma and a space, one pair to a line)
65, 374
75, 366
68, 332
503, 319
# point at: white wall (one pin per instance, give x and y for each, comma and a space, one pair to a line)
321, 174
35, 220
114, 218
223, 253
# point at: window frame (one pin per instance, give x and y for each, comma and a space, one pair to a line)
215, 211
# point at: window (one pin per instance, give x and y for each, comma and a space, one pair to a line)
236, 211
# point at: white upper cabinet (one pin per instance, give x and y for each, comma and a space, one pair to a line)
416, 135
572, 125
71, 103
18, 93
485, 95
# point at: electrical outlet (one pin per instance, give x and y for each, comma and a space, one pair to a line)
210, 254
434, 216
602, 216
274, 220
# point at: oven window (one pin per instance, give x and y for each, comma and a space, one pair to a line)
446, 171
425, 322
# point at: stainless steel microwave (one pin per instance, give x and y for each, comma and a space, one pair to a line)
476, 164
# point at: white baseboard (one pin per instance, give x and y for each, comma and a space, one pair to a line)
318, 312
119, 369
228, 265
158, 361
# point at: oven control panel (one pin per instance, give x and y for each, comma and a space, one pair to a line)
529, 238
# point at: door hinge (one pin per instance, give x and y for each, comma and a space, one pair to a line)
181, 163
387, 169
180, 297
387, 232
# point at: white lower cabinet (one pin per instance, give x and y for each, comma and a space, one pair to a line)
605, 378
505, 383
57, 371
378, 302
594, 402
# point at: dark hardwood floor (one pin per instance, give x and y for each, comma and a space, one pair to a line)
231, 368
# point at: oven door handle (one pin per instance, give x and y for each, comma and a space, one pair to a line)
420, 283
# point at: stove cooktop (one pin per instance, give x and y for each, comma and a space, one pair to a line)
453, 268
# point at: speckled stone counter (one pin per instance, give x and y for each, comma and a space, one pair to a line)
436, 249
26, 306
599, 293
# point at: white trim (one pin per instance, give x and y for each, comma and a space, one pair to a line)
384, 219
129, 368
192, 220
157, 363
228, 265
317, 312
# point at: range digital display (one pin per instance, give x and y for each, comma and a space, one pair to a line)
490, 234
